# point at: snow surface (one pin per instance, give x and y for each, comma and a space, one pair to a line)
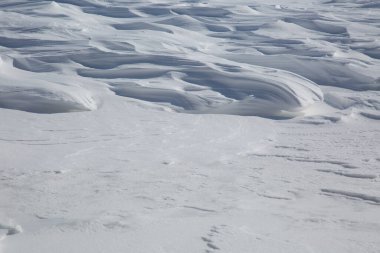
190, 126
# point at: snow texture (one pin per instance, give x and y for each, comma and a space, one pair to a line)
190, 126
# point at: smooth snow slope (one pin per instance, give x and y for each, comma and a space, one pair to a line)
124, 128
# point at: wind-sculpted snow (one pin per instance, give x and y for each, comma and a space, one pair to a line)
243, 58
149, 126
40, 93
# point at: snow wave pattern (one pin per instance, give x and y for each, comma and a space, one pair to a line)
238, 58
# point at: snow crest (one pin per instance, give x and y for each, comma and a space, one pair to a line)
178, 55
248, 59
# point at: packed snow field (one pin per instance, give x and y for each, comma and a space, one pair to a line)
190, 126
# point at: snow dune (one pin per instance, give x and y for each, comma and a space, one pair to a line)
107, 41
20, 90
102, 41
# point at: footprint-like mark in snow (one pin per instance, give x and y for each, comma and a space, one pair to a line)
210, 239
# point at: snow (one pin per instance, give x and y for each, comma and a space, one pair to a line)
189, 126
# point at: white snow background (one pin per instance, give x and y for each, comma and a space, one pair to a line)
190, 126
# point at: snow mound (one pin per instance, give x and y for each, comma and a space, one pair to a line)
20, 90
190, 57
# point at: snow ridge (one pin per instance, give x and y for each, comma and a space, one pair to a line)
186, 56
